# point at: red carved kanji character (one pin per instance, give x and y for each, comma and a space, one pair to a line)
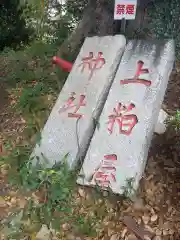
102, 179
136, 78
120, 9
107, 171
93, 63
130, 8
126, 122
69, 104
111, 157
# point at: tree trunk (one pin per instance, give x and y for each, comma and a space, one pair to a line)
139, 23
83, 29
97, 20
105, 18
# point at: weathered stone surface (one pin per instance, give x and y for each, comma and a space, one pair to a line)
161, 125
117, 155
63, 133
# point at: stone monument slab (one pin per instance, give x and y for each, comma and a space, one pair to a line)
70, 125
118, 151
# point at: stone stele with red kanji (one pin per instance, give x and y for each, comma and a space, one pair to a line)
118, 152
70, 125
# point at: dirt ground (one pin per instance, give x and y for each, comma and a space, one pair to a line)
158, 204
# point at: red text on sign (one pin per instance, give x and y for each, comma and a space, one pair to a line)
92, 63
130, 9
136, 79
70, 104
120, 9
126, 122
106, 174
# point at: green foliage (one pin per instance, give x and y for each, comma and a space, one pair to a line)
13, 31
34, 78
51, 202
50, 19
164, 21
50, 208
53, 187
128, 189
32, 65
86, 226
29, 98
62, 29
175, 121
76, 8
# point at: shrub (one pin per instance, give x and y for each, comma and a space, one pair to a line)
164, 21
33, 64
13, 31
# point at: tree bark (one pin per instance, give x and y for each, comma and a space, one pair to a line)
83, 29
139, 23
105, 19
97, 20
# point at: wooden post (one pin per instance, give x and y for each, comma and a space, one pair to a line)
123, 25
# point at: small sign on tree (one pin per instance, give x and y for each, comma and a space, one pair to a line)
125, 9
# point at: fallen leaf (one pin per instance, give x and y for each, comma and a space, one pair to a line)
157, 238
13, 201
139, 231
115, 237
124, 232
154, 218
66, 226
22, 203
2, 202
33, 236
158, 232
82, 192
132, 237
145, 219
